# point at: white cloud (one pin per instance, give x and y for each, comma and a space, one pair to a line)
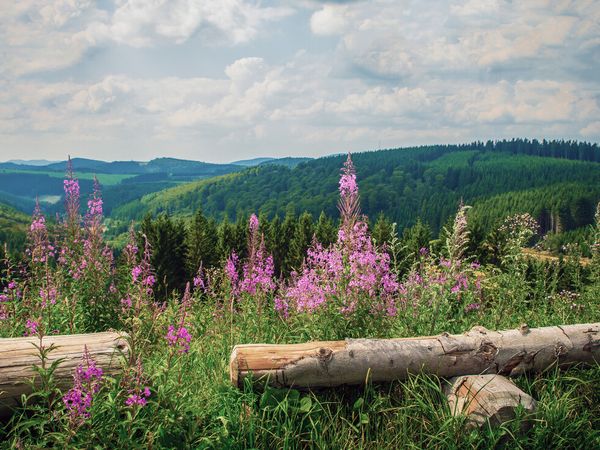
391, 72
40, 35
329, 20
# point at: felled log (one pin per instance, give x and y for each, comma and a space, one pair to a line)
19, 355
479, 351
484, 398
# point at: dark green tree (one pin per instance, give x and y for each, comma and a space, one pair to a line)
167, 241
325, 230
301, 240
201, 242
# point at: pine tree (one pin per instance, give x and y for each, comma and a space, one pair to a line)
288, 229
225, 239
167, 241
201, 242
325, 230
301, 240
382, 230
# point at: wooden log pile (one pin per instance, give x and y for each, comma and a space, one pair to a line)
18, 356
477, 352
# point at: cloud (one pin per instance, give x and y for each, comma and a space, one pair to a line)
38, 35
410, 39
329, 20
365, 74
141, 23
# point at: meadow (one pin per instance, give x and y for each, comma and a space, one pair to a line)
174, 389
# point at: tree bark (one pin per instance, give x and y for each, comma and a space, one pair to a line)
19, 355
483, 398
479, 351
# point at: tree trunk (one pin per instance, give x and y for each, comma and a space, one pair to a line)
486, 397
479, 351
19, 355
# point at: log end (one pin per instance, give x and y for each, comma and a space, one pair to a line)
484, 398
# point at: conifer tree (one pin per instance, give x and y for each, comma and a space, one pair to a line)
201, 243
168, 253
288, 229
325, 230
301, 240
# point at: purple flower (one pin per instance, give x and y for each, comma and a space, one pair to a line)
351, 272
135, 399
253, 223
32, 327
135, 273
87, 382
232, 273
472, 307
179, 338
149, 280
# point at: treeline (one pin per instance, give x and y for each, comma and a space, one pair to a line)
404, 184
180, 247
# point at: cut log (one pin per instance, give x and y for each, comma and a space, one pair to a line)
19, 355
479, 351
483, 398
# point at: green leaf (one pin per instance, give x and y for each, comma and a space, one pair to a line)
305, 404
358, 404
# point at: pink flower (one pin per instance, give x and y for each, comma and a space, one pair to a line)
179, 338
135, 273
253, 223
32, 327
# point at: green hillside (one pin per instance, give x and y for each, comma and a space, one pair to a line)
546, 178
13, 228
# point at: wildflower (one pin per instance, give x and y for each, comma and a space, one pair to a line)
137, 399
138, 392
351, 269
281, 306
149, 280
472, 307
32, 327
231, 271
180, 337
87, 382
135, 273
126, 303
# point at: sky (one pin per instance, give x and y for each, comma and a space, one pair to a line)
233, 79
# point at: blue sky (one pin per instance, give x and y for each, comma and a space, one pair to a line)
233, 79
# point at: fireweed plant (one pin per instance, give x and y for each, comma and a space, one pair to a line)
173, 389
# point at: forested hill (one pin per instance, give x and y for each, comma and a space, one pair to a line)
405, 184
13, 228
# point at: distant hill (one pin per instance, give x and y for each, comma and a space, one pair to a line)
287, 161
405, 184
252, 162
121, 181
290, 162
31, 162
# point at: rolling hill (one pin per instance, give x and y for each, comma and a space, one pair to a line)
21, 182
550, 178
